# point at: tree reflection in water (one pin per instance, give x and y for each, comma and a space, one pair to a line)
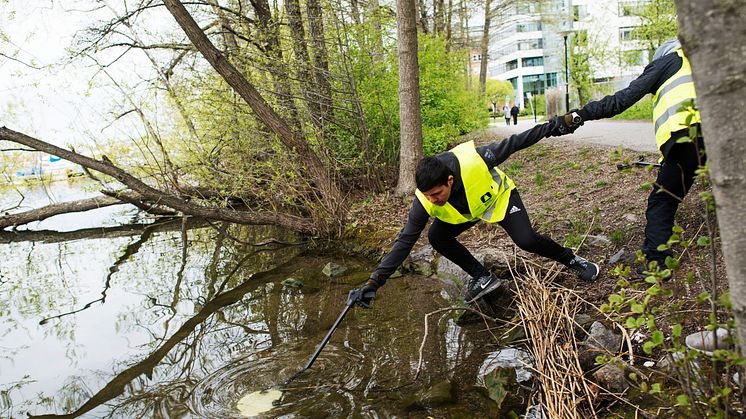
191, 318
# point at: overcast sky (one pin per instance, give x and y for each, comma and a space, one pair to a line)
43, 95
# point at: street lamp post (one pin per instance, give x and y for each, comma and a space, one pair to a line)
567, 79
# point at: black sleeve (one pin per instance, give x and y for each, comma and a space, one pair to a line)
618, 102
499, 151
408, 236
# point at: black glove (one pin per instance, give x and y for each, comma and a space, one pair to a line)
364, 295
566, 124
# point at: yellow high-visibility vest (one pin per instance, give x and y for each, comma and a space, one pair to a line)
678, 89
487, 190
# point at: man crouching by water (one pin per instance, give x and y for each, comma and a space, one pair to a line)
462, 187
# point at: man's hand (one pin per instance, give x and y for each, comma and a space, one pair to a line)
364, 295
566, 124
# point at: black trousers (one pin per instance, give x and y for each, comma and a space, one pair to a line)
442, 237
515, 119
675, 177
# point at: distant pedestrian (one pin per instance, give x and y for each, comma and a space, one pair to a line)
506, 114
514, 113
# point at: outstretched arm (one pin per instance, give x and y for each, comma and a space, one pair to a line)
499, 151
649, 81
408, 236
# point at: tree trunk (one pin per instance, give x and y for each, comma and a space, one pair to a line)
409, 96
484, 50
321, 61
449, 26
303, 62
149, 193
717, 67
39, 214
421, 23
374, 11
269, 35
332, 196
439, 17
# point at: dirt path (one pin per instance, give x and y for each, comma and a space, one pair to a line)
632, 135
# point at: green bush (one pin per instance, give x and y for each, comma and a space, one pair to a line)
642, 110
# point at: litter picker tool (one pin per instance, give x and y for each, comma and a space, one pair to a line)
639, 163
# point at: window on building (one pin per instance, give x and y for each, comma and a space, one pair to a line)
530, 44
514, 82
630, 8
579, 12
532, 62
525, 9
533, 83
511, 65
551, 79
627, 33
528, 27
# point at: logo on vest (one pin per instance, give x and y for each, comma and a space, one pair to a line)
486, 197
514, 209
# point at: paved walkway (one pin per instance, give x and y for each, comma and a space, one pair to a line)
633, 135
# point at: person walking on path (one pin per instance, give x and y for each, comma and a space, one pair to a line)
460, 188
506, 113
514, 113
669, 78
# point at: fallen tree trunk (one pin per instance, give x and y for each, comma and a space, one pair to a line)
39, 214
156, 196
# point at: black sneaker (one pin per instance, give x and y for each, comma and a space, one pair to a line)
479, 287
658, 266
586, 270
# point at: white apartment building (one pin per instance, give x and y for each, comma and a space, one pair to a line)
527, 46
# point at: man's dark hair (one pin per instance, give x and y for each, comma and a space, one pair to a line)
430, 173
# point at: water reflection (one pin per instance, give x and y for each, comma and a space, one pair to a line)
182, 319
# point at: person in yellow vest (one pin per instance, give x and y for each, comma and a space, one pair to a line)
669, 78
460, 188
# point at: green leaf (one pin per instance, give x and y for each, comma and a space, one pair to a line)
640, 321
676, 331
615, 299
703, 241
637, 308
655, 388
703, 296
657, 337
672, 262
647, 347
682, 400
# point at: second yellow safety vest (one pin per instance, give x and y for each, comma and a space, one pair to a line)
674, 92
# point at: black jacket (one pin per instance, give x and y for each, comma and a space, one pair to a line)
651, 79
492, 154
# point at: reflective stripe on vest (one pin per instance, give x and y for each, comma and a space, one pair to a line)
674, 92
487, 190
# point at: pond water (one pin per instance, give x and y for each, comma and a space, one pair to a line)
189, 319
